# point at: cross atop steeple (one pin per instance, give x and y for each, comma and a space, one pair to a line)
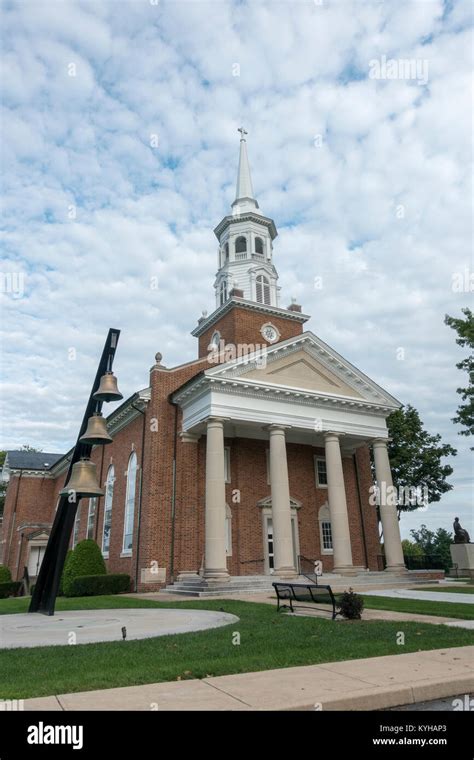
242, 133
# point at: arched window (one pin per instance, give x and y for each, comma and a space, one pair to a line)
91, 517
259, 245
241, 245
223, 292
130, 504
77, 524
263, 290
109, 497
325, 530
226, 251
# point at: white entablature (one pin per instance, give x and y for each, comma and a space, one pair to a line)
300, 383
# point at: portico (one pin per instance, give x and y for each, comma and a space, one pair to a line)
288, 405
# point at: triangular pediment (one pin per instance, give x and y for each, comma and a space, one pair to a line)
306, 364
300, 370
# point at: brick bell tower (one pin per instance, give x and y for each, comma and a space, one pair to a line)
246, 285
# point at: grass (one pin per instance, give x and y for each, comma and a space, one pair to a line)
421, 607
267, 640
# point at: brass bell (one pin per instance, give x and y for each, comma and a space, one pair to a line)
107, 390
83, 480
96, 433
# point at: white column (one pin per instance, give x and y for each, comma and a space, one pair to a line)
341, 539
388, 508
215, 564
284, 565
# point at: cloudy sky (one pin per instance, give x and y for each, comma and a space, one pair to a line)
119, 157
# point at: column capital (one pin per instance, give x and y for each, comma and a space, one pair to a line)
380, 442
333, 433
189, 437
275, 428
211, 420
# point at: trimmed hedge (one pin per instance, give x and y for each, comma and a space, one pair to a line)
5, 574
86, 559
9, 589
97, 585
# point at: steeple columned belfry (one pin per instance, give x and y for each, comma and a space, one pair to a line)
246, 283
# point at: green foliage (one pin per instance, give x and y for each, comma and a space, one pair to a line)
5, 574
435, 544
351, 605
465, 331
98, 585
411, 549
86, 559
61, 582
9, 589
415, 458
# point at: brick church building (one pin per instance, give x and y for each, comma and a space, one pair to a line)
238, 463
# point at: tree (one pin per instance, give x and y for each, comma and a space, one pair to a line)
86, 559
27, 447
435, 544
415, 459
465, 331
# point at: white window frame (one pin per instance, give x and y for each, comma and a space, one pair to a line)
91, 516
77, 526
227, 472
108, 505
228, 531
316, 471
129, 511
324, 518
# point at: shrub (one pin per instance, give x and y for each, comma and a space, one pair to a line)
97, 585
351, 605
86, 559
61, 582
9, 589
5, 574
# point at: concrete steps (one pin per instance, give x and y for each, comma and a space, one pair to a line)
195, 586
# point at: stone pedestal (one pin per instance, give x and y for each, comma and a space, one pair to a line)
463, 556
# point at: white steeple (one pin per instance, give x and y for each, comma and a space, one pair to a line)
246, 244
244, 200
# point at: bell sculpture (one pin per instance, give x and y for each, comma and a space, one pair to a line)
83, 480
96, 433
107, 390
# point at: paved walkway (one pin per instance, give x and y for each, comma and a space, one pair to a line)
427, 596
88, 626
375, 683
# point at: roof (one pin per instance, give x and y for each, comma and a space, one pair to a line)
31, 460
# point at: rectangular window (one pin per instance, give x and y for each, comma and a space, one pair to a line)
321, 473
227, 464
267, 454
91, 517
326, 535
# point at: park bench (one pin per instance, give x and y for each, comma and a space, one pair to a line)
287, 591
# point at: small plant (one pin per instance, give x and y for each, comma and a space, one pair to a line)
5, 574
86, 559
95, 585
351, 605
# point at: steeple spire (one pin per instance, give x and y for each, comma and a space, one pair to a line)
244, 200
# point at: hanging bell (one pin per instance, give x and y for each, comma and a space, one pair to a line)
83, 480
107, 390
96, 433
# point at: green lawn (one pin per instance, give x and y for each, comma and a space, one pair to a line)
267, 640
420, 607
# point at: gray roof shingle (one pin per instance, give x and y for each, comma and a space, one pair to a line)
31, 460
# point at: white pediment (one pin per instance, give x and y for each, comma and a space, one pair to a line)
304, 363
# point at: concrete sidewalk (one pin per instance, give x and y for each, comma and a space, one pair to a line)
369, 684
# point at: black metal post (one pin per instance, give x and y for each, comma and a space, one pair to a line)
47, 583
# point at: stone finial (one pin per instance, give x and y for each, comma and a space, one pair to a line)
158, 358
294, 306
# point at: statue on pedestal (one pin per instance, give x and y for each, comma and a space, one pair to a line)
461, 536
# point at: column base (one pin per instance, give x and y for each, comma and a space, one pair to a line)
285, 572
395, 569
348, 570
216, 576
